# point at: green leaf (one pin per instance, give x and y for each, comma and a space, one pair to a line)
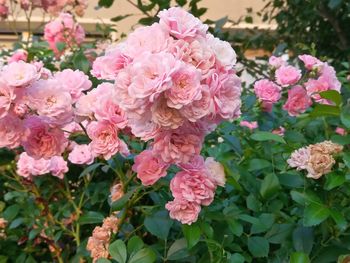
265, 222
236, 258
269, 186
119, 18
121, 202
103, 260
91, 217
258, 246
144, 255
299, 257
60, 46
279, 233
192, 234
339, 219
267, 136
105, 3
253, 203
178, 250
118, 251
333, 180
345, 115
332, 95
315, 214
15, 223
333, 4
159, 224
346, 159
235, 227
258, 164
303, 239
135, 244
321, 110
90, 169
11, 212
81, 62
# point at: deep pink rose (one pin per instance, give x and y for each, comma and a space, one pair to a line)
183, 211
250, 125
149, 168
267, 90
298, 101
287, 75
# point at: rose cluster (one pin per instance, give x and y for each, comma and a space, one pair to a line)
302, 89
63, 30
175, 82
317, 159
52, 7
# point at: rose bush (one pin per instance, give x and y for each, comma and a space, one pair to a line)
155, 151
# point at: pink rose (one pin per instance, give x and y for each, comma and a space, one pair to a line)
223, 51
58, 166
165, 116
149, 168
185, 87
19, 74
193, 187
314, 87
74, 82
18, 55
42, 141
309, 61
277, 62
81, 154
225, 89
250, 125
108, 66
340, 131
7, 96
298, 101
183, 211
4, 11
267, 90
28, 166
104, 139
279, 131
181, 24
299, 158
215, 171
177, 146
143, 126
287, 75
11, 131
51, 100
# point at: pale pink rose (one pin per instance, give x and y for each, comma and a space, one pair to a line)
104, 139
18, 55
151, 75
185, 86
142, 125
309, 61
287, 75
177, 146
11, 131
329, 76
81, 154
51, 100
223, 51
41, 140
299, 158
74, 82
19, 74
298, 101
196, 164
225, 89
63, 30
181, 24
198, 108
58, 166
153, 39
267, 90
7, 96
251, 125
164, 116
280, 131
183, 211
193, 186
107, 107
277, 62
28, 166
340, 131
314, 87
215, 171
149, 168
108, 66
